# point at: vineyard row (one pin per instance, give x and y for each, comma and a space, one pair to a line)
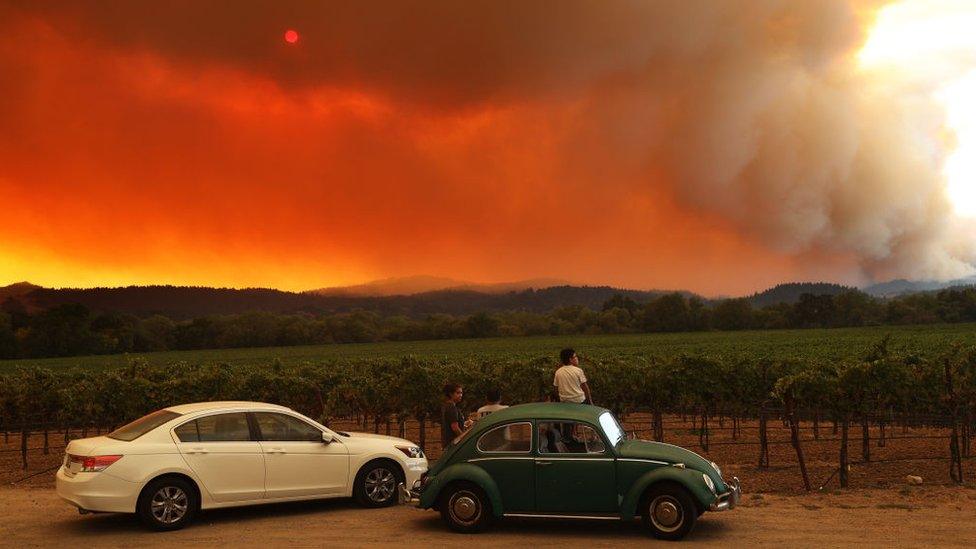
880, 390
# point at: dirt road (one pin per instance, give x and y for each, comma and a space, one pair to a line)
918, 517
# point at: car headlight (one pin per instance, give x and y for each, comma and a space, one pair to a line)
411, 451
708, 482
717, 470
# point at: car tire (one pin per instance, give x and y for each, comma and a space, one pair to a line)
669, 511
465, 508
168, 503
376, 483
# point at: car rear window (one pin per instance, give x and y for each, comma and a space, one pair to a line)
142, 425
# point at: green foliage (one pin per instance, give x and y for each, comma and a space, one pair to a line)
885, 378
73, 330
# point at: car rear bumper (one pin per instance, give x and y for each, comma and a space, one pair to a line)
730, 499
97, 492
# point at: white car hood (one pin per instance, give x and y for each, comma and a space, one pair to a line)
376, 437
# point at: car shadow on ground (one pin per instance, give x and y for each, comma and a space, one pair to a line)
115, 523
546, 529
420, 521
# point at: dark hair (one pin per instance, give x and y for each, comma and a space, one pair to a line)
494, 394
449, 389
566, 355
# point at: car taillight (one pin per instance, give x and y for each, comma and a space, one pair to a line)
94, 464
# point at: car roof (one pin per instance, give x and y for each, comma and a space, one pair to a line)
545, 410
223, 405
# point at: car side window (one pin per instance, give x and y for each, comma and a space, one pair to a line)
188, 432
569, 437
514, 437
283, 427
230, 427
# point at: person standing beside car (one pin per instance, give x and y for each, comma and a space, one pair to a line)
493, 403
570, 380
452, 421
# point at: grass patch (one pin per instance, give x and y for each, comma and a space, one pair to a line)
815, 344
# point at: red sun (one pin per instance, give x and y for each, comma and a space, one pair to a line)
291, 36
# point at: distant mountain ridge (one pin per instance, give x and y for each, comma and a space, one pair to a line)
790, 292
408, 296
183, 302
898, 287
412, 285
16, 290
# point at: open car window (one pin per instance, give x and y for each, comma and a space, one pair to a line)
569, 437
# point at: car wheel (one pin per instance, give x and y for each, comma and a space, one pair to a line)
168, 503
465, 508
376, 484
669, 511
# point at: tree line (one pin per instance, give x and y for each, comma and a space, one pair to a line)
74, 329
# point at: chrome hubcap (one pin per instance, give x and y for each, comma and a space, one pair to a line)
380, 485
465, 507
169, 504
666, 513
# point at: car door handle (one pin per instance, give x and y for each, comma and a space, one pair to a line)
198, 451
276, 451
543, 463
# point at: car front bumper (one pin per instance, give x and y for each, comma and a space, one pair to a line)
730, 499
413, 469
410, 496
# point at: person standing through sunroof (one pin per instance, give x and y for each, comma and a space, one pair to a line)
570, 380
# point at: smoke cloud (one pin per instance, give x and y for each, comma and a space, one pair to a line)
665, 141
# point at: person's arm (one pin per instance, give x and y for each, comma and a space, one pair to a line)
586, 392
455, 423
585, 386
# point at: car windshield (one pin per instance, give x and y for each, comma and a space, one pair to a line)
611, 428
142, 425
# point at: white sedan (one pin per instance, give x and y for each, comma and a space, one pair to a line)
171, 463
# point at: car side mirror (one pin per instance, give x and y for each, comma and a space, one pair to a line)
327, 437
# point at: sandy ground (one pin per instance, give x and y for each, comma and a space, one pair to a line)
899, 517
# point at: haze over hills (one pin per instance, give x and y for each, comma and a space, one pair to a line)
791, 292
901, 286
411, 285
181, 302
412, 297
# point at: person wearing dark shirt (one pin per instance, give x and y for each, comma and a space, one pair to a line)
452, 421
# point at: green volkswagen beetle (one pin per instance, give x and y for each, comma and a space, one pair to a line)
558, 460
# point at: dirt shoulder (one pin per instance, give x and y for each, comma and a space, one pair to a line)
924, 516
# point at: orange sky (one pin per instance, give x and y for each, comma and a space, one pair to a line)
194, 146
